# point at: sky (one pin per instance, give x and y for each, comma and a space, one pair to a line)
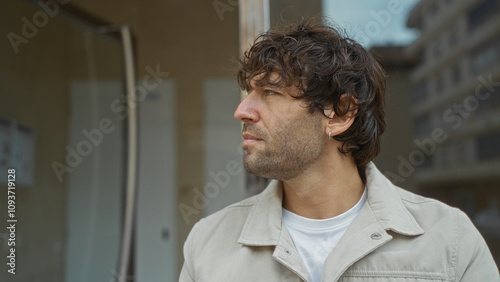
373, 22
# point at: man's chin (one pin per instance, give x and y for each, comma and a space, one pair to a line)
252, 167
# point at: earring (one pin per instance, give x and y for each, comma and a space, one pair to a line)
330, 135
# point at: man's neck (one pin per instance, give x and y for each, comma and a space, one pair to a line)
327, 189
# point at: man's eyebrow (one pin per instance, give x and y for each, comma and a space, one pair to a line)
269, 85
275, 84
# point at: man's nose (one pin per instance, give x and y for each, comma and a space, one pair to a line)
247, 110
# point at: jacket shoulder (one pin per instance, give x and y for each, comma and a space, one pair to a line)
410, 197
421, 204
429, 212
236, 212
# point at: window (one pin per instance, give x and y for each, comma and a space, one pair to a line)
455, 74
489, 108
461, 157
422, 125
486, 56
439, 84
453, 38
437, 49
482, 12
419, 93
448, 156
494, 100
487, 146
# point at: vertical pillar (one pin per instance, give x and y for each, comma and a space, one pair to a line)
254, 19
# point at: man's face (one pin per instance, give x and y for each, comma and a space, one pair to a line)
281, 139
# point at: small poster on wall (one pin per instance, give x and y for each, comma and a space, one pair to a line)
17, 151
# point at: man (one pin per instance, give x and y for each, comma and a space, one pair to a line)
312, 120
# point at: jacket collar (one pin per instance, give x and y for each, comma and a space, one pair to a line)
263, 224
385, 202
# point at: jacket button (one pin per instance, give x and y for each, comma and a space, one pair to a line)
376, 236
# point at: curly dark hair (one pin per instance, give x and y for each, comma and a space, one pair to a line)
324, 65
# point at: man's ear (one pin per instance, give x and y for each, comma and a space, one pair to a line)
336, 124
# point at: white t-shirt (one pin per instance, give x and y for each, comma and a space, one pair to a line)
314, 239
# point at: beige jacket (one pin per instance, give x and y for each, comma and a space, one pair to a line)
397, 236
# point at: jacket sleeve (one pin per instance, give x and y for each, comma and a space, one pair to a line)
474, 259
187, 273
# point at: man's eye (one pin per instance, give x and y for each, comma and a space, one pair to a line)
269, 92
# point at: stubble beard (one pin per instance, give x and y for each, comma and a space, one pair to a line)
295, 146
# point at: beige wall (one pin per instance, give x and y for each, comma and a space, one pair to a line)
285, 11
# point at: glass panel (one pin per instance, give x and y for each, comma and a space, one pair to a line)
61, 129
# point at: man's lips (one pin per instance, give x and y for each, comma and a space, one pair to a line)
250, 139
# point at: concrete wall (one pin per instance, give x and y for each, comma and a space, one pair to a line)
285, 11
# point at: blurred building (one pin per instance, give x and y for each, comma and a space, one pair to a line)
398, 133
455, 104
